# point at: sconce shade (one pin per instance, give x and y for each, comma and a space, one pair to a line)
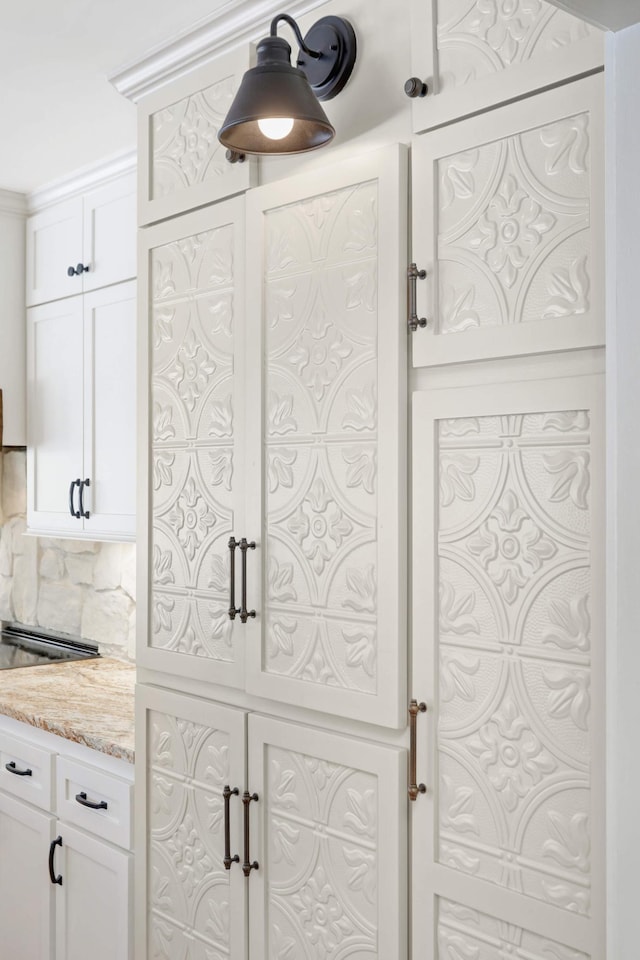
273, 88
276, 109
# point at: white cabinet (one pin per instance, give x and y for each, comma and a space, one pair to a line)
82, 243
325, 866
508, 506
92, 899
65, 881
81, 415
287, 429
476, 54
509, 225
26, 893
182, 164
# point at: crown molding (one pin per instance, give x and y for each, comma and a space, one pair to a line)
12, 203
78, 182
238, 21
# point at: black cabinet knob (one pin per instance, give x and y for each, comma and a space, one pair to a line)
414, 87
77, 271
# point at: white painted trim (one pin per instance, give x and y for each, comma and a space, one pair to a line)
238, 21
12, 203
78, 182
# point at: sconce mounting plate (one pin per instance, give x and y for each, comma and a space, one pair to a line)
335, 40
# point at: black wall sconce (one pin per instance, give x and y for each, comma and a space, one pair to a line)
276, 109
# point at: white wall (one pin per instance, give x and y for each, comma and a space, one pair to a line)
623, 547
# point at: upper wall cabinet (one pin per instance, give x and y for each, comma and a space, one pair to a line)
182, 165
509, 225
476, 54
83, 243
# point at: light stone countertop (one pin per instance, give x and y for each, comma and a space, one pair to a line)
87, 701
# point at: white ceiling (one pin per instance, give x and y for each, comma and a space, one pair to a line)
58, 112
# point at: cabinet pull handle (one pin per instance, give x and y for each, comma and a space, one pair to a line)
233, 610
77, 271
82, 484
227, 793
248, 866
81, 798
414, 788
244, 546
11, 767
413, 275
52, 852
72, 510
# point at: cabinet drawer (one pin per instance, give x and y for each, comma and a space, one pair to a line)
27, 771
79, 785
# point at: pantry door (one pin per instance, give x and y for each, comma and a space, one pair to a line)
329, 833
190, 441
326, 438
508, 654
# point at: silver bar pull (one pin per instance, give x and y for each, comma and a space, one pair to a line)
413, 275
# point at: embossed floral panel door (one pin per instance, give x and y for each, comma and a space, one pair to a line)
508, 653
509, 225
477, 54
187, 903
329, 833
326, 447
192, 293
182, 164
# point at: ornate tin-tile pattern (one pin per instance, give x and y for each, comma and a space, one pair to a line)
322, 872
469, 934
188, 885
192, 443
477, 38
513, 229
321, 439
514, 649
184, 142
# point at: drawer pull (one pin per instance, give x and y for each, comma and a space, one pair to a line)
52, 852
81, 798
11, 767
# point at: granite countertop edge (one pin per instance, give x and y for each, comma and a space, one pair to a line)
89, 702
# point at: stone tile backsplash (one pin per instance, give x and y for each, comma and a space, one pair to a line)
77, 586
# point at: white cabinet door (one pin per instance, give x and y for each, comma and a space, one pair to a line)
192, 402
187, 903
326, 445
476, 54
509, 224
110, 411
328, 832
55, 414
54, 243
508, 653
109, 234
182, 164
26, 893
93, 914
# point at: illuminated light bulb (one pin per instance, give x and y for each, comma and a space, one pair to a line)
276, 128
